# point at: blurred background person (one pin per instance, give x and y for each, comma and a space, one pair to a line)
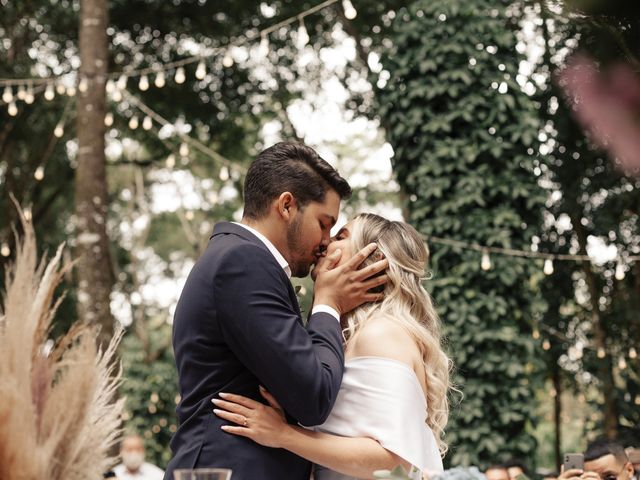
497, 472
133, 466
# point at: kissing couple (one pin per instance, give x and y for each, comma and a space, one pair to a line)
361, 386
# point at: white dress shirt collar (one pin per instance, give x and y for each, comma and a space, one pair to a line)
274, 251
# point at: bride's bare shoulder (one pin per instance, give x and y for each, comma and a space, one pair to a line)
386, 338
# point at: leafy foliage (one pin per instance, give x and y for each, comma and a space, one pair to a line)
465, 142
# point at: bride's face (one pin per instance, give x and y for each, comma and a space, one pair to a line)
343, 242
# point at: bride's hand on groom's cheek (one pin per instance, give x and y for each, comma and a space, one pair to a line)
326, 263
263, 424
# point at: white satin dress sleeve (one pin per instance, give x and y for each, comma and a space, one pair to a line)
382, 399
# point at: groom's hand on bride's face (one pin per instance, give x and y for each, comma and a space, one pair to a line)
346, 287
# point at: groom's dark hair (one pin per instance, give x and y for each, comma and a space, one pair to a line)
289, 167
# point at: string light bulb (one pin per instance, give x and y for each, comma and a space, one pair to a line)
7, 95
160, 80
39, 173
227, 61
83, 86
111, 86
5, 251
548, 266
49, 92
601, 352
22, 92
59, 130
71, 91
546, 345
637, 400
535, 334
122, 82
171, 161
485, 263
133, 122
201, 70
349, 10
622, 363
619, 270
147, 123
303, 35
60, 89
117, 95
263, 48
224, 173
108, 119
184, 150
12, 109
180, 76
29, 97
28, 216
633, 354
143, 84
189, 215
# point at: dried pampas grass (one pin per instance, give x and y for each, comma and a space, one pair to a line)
58, 417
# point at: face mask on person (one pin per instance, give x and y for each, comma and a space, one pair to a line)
133, 460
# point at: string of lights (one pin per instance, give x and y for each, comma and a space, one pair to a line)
120, 78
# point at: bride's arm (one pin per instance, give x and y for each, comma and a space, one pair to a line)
356, 457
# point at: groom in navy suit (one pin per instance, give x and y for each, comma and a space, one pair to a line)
238, 325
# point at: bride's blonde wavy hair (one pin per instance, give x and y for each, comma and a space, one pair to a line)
407, 303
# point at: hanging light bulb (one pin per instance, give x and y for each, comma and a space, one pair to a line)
224, 174
12, 109
633, 354
548, 266
30, 96
144, 83
637, 400
349, 10
27, 214
122, 82
111, 86
535, 334
485, 263
108, 119
7, 95
303, 35
49, 92
147, 123
83, 85
227, 60
189, 215
263, 49
171, 161
622, 363
133, 122
160, 80
71, 91
619, 270
22, 92
59, 130
5, 251
39, 173
201, 70
601, 353
117, 95
180, 76
60, 88
546, 344
184, 150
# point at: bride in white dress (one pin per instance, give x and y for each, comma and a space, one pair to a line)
392, 406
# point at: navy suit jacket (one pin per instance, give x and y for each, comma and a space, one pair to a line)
237, 326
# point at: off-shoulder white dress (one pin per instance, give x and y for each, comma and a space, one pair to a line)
381, 398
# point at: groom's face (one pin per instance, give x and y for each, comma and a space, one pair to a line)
308, 233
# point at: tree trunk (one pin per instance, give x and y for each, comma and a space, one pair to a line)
605, 365
557, 414
94, 270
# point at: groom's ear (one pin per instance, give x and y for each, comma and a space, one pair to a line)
287, 206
